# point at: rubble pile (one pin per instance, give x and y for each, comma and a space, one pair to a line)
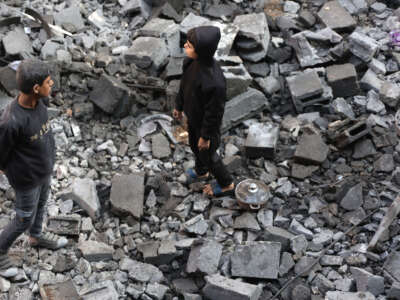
313, 90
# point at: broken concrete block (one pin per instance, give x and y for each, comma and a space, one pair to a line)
269, 85
261, 140
334, 16
101, 290
196, 225
353, 198
363, 46
64, 225
377, 66
343, 108
192, 21
306, 90
343, 133
70, 18
96, 251
385, 163
112, 96
8, 79
147, 52
127, 194
166, 30
223, 288
334, 295
301, 172
141, 272
390, 93
394, 291
363, 148
243, 107
60, 291
256, 260
156, 291
247, 221
277, 234
253, 36
137, 6
160, 146
371, 81
16, 42
237, 80
311, 149
367, 282
84, 193
343, 80
204, 258
49, 50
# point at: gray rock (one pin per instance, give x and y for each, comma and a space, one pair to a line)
84, 193
137, 6
345, 284
68, 17
265, 217
156, 291
323, 283
311, 149
276, 234
378, 7
367, 282
343, 108
363, 46
343, 80
141, 272
291, 7
287, 263
374, 104
96, 251
363, 148
385, 163
196, 225
377, 66
243, 107
223, 288
301, 292
297, 228
112, 96
189, 296
323, 238
301, 171
16, 42
390, 93
166, 30
247, 221
303, 266
204, 258
353, 198
253, 30
127, 194
333, 15
160, 146
331, 260
49, 50
305, 85
261, 140
371, 81
269, 85
191, 21
334, 295
256, 260
299, 244
147, 52
237, 80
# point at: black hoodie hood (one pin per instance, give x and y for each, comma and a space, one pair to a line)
207, 39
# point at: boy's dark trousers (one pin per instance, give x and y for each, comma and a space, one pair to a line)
30, 206
209, 160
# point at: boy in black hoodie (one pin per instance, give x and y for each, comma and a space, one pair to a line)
27, 151
202, 97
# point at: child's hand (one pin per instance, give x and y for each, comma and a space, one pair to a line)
177, 114
203, 144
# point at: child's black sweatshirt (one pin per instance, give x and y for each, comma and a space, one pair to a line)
27, 148
202, 92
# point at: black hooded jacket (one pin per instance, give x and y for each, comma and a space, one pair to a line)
202, 92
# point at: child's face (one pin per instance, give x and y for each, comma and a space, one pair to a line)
44, 90
189, 50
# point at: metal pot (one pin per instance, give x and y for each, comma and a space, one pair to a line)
252, 194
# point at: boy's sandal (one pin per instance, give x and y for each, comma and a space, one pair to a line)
7, 267
192, 177
217, 191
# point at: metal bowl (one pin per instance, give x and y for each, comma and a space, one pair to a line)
252, 194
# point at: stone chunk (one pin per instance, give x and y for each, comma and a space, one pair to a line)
343, 80
363, 148
160, 146
196, 225
112, 96
390, 93
353, 198
141, 272
237, 80
261, 140
136, 6
70, 18
253, 36
256, 260
147, 52
127, 194
16, 42
385, 163
363, 46
333, 15
277, 234
311, 150
247, 221
371, 81
156, 291
84, 193
191, 21
305, 85
223, 288
243, 107
334, 295
96, 251
367, 282
343, 108
102, 290
204, 258
60, 291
